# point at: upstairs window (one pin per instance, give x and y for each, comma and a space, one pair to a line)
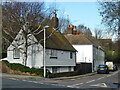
53, 54
16, 54
71, 55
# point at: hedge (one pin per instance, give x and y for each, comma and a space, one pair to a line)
22, 68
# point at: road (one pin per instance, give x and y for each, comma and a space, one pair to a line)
14, 83
94, 81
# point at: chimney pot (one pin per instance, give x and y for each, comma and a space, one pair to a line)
74, 27
69, 25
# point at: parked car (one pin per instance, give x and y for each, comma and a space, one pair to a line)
110, 65
103, 69
115, 67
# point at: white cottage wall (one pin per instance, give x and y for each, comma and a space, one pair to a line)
35, 52
84, 53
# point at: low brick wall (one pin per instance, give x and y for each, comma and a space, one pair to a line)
63, 74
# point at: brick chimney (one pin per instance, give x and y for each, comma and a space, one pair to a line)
70, 29
74, 30
55, 21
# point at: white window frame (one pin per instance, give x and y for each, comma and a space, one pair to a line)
16, 54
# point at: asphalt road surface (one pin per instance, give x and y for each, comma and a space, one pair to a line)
95, 81
13, 83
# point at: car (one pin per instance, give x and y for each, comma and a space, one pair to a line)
110, 65
115, 67
103, 69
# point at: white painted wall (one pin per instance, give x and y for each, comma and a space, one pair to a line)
35, 56
84, 53
35, 52
89, 54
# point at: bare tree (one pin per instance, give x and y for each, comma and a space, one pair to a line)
20, 17
63, 24
98, 33
81, 28
110, 14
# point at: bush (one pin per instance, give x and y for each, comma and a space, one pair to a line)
22, 68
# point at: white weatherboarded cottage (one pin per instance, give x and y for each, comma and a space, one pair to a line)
60, 54
88, 50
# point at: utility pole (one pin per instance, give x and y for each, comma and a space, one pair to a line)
44, 52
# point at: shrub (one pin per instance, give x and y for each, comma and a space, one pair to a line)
22, 68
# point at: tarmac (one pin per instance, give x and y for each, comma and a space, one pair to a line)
26, 77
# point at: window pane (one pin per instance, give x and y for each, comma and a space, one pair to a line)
16, 53
53, 53
54, 69
70, 55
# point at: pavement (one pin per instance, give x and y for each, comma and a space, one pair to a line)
75, 77
25, 77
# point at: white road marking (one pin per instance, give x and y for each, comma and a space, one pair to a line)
109, 75
14, 79
90, 81
24, 80
78, 84
74, 85
35, 82
99, 85
100, 78
71, 86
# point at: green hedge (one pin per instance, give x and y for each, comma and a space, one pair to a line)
22, 68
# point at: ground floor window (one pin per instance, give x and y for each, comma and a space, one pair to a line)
69, 68
54, 69
16, 53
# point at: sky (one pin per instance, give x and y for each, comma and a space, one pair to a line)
81, 12
85, 13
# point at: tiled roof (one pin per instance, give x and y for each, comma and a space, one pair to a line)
81, 40
55, 41
78, 39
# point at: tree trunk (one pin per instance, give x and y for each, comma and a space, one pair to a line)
25, 31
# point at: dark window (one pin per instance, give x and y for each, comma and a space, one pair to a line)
69, 68
71, 55
53, 54
54, 69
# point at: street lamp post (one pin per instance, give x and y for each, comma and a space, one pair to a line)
44, 53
